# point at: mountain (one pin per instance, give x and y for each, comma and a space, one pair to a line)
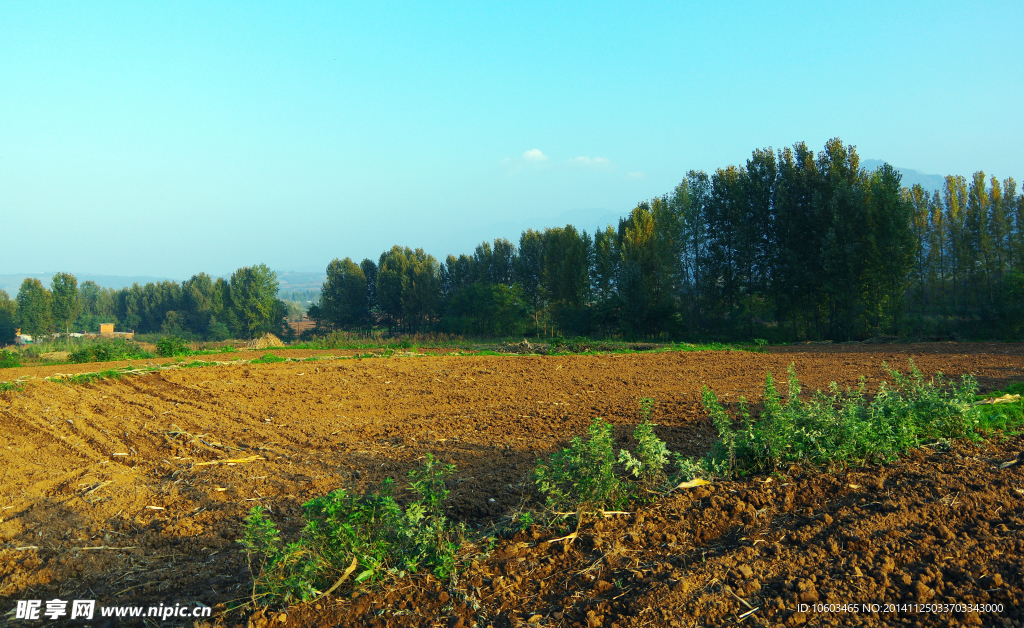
287, 281
911, 177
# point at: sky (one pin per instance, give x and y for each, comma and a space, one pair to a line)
173, 138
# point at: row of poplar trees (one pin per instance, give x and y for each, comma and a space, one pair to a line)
791, 246
244, 306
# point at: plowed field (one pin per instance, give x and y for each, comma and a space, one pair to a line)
133, 491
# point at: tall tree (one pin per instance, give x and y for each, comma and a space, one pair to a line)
529, 271
8, 317
254, 299
65, 305
392, 280
343, 299
34, 316
370, 272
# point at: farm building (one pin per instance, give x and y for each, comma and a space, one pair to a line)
107, 331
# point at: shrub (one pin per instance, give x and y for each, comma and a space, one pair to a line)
841, 426
585, 475
109, 351
648, 460
368, 535
170, 346
9, 359
268, 358
582, 476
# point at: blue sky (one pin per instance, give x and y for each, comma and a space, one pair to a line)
172, 138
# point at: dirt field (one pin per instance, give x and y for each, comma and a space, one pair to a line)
119, 491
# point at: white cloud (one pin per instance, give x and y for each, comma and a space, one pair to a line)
590, 162
535, 154
635, 175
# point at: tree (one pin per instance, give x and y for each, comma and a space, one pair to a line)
201, 303
254, 299
65, 305
8, 316
34, 317
392, 279
344, 298
370, 272
529, 270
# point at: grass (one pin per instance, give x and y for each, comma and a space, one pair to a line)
358, 538
1003, 417
839, 426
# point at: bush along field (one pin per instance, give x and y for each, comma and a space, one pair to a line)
351, 542
840, 426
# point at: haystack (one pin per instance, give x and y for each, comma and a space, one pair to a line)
266, 341
55, 356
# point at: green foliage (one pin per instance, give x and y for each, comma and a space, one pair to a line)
88, 378
1003, 417
648, 460
253, 294
170, 346
485, 309
33, 308
586, 476
344, 300
109, 351
9, 359
65, 305
370, 531
582, 477
268, 358
8, 315
841, 426
11, 386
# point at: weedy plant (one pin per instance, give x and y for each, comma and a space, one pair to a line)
368, 535
9, 359
11, 386
587, 476
840, 426
268, 358
109, 351
170, 346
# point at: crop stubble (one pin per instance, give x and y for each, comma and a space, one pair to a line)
157, 525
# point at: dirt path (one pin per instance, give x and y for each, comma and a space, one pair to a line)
106, 494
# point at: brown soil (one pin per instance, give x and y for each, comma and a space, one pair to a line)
157, 525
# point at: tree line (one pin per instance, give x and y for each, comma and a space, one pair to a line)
790, 246
793, 245
244, 306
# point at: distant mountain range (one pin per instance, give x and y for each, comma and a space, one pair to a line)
291, 281
911, 177
287, 281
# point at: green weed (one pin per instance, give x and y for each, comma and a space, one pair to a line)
841, 426
268, 358
11, 386
9, 359
109, 351
171, 346
586, 475
369, 536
